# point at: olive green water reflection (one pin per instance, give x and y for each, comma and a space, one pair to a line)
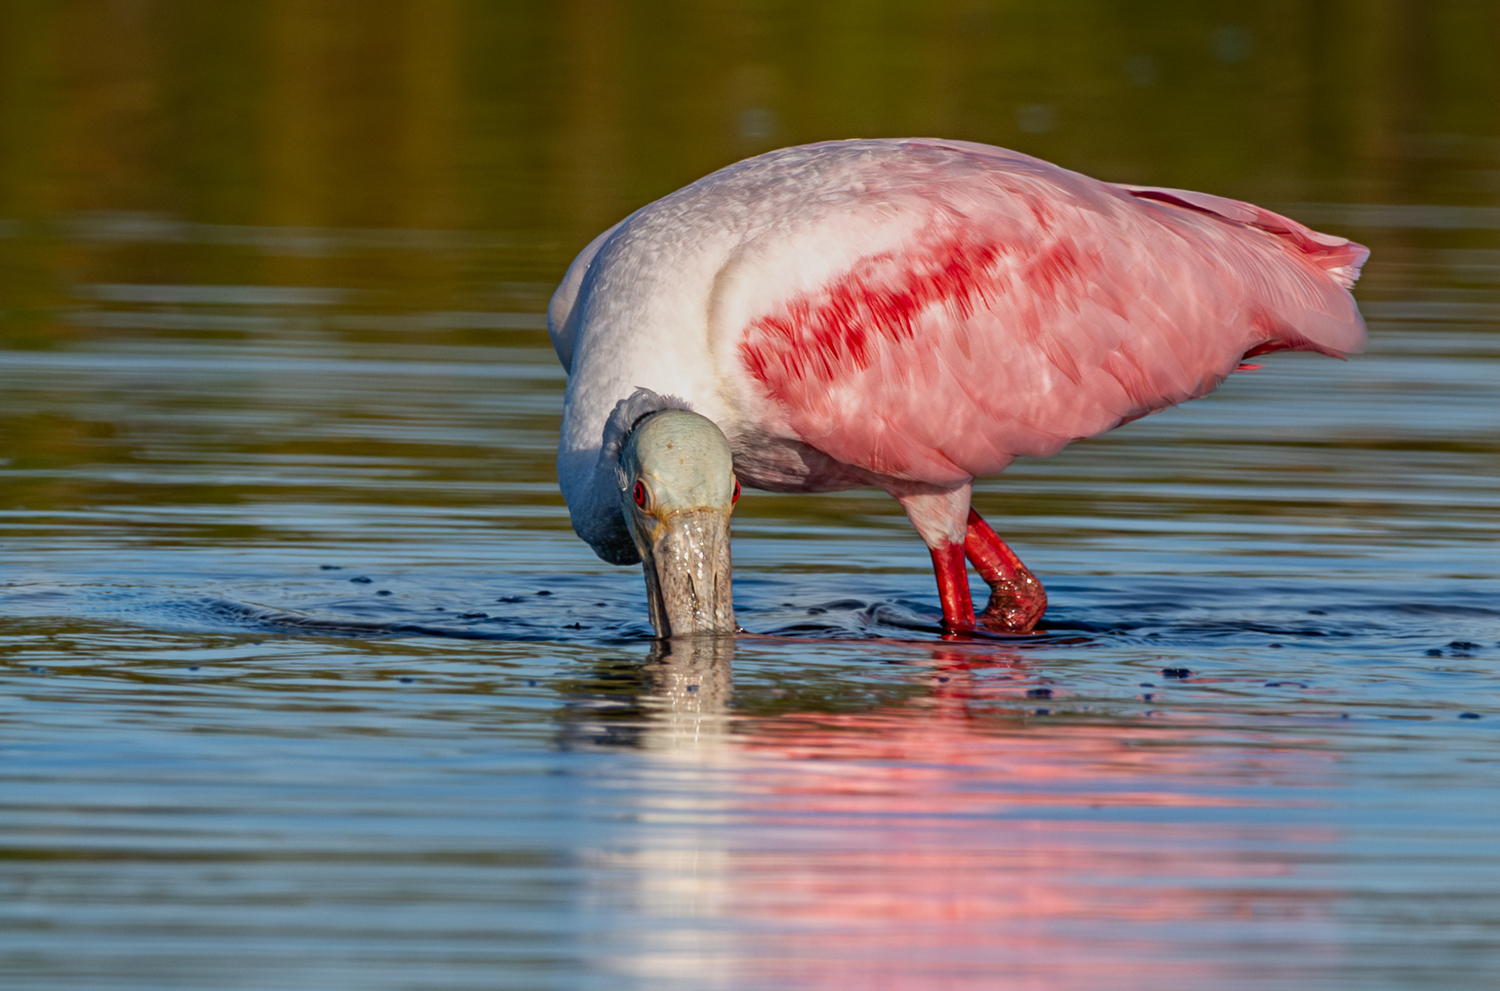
305, 682
488, 141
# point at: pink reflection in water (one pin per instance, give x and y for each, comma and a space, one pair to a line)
947, 843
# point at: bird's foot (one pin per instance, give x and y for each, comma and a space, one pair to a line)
1016, 604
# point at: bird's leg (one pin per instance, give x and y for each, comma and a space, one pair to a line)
938, 516
1017, 599
953, 586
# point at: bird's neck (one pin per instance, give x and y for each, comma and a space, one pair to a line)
594, 504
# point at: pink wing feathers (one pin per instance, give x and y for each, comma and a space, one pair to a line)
1339, 257
1031, 307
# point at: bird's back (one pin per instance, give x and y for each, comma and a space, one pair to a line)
929, 310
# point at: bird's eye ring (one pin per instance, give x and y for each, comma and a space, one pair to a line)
639, 494
736, 497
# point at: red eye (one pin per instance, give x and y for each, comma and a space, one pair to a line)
640, 494
736, 497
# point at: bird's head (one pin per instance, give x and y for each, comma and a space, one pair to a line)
677, 492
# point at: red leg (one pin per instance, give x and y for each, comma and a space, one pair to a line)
953, 586
1017, 599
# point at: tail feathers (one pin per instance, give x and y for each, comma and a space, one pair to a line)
1339, 257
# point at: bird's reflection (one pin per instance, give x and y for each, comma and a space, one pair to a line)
945, 838
677, 698
689, 683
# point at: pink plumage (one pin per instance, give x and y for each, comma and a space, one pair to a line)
912, 314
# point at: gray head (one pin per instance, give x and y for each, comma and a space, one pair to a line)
677, 491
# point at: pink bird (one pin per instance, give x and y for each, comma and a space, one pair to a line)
908, 314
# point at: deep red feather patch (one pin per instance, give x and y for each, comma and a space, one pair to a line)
818, 336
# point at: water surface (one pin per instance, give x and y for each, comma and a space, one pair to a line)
307, 682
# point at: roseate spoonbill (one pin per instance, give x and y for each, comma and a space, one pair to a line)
907, 314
